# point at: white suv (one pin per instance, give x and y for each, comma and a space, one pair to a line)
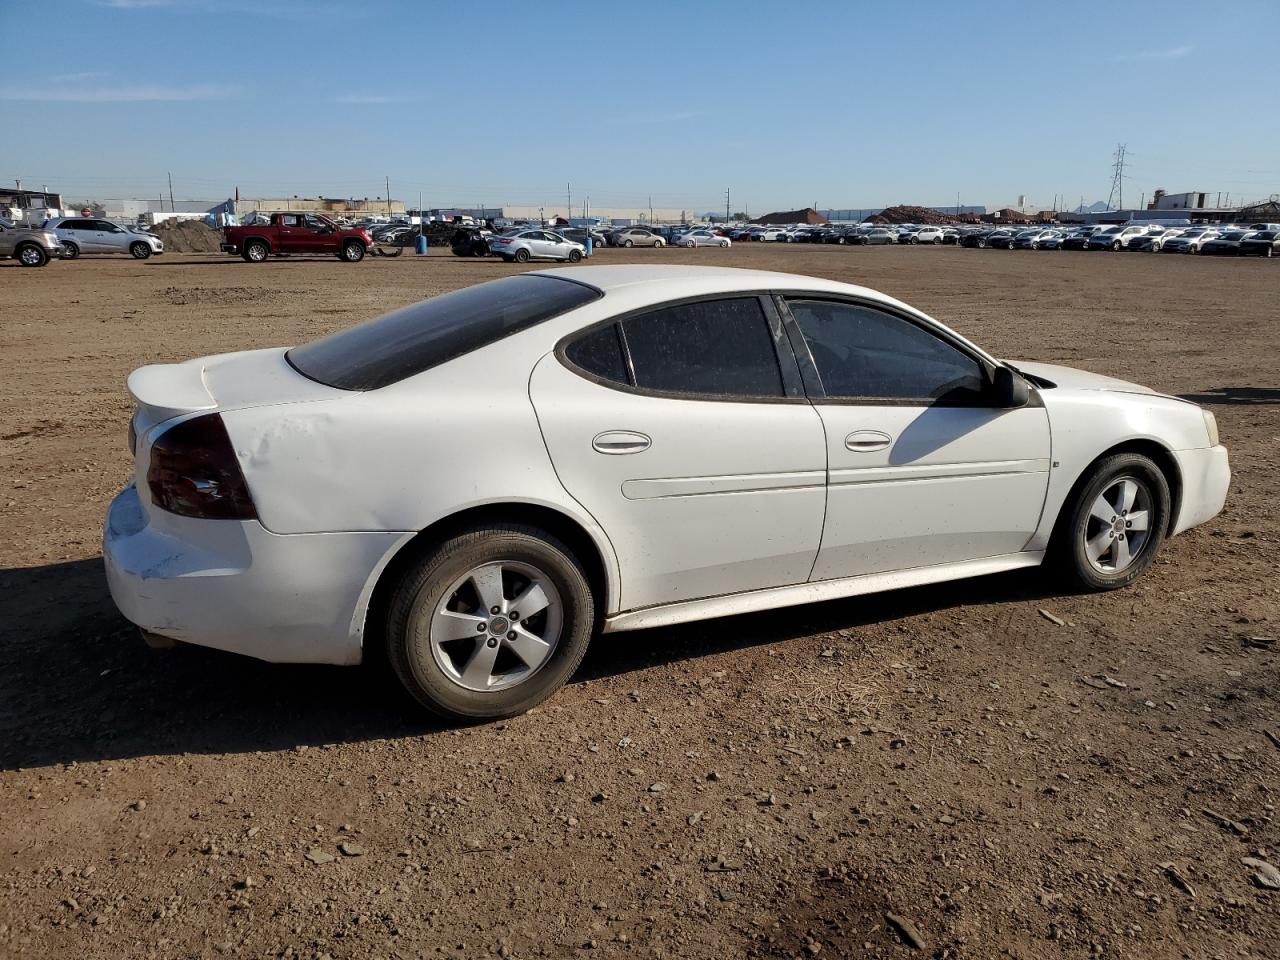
90, 235
1114, 238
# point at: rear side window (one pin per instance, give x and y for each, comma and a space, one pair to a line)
600, 353
713, 347
404, 343
865, 353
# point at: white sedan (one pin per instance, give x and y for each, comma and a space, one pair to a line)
521, 246
482, 481
701, 238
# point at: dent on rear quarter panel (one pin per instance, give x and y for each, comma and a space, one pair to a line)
404, 456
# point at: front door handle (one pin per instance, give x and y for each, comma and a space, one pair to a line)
620, 441
866, 441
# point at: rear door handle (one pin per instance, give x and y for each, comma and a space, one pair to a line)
620, 441
866, 441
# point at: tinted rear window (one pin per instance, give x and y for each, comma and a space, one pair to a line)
404, 343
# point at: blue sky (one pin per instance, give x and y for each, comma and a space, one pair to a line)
842, 104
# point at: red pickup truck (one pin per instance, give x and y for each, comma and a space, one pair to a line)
296, 233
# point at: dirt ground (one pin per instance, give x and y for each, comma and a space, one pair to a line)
771, 785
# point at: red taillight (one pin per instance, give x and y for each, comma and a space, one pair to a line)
194, 472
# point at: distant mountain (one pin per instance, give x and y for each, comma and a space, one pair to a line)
1098, 206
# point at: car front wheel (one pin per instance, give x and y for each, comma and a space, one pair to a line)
575, 256
1116, 523
140, 250
32, 255
353, 251
490, 622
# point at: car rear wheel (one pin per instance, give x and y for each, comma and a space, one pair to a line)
490, 622
256, 251
522, 256
69, 250
32, 255
1115, 525
1115, 246
353, 251
140, 250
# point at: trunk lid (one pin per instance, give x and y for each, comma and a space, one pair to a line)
228, 381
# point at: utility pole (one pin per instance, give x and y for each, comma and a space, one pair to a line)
650, 208
726, 204
388, 179
569, 193
170, 194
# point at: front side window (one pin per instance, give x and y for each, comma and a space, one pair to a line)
712, 347
864, 353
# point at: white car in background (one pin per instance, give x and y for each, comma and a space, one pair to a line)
701, 238
927, 235
521, 246
79, 235
1114, 238
1189, 240
481, 481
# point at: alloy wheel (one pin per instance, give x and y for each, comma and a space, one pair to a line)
1119, 525
497, 625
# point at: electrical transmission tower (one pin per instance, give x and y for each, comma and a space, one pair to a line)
1117, 179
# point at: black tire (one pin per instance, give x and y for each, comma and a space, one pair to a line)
421, 591
575, 256
659, 243
140, 250
522, 256
980, 243
913, 241
353, 251
69, 251
31, 255
1076, 521
256, 251
627, 243
1115, 246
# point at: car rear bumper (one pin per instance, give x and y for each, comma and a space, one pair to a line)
235, 586
1206, 477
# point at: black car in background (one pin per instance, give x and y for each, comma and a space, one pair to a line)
1226, 245
1264, 243
1079, 240
470, 242
1001, 239
977, 238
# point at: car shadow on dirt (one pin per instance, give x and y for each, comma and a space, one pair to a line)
1231, 396
78, 684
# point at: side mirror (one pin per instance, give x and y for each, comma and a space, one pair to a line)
1008, 390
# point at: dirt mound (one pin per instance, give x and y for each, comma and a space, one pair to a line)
188, 236
907, 214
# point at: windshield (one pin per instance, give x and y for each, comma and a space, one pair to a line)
423, 335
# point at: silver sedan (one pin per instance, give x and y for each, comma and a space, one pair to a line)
522, 246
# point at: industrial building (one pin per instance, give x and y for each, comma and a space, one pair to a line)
28, 206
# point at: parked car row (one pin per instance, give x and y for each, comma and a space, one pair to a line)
66, 238
1259, 239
